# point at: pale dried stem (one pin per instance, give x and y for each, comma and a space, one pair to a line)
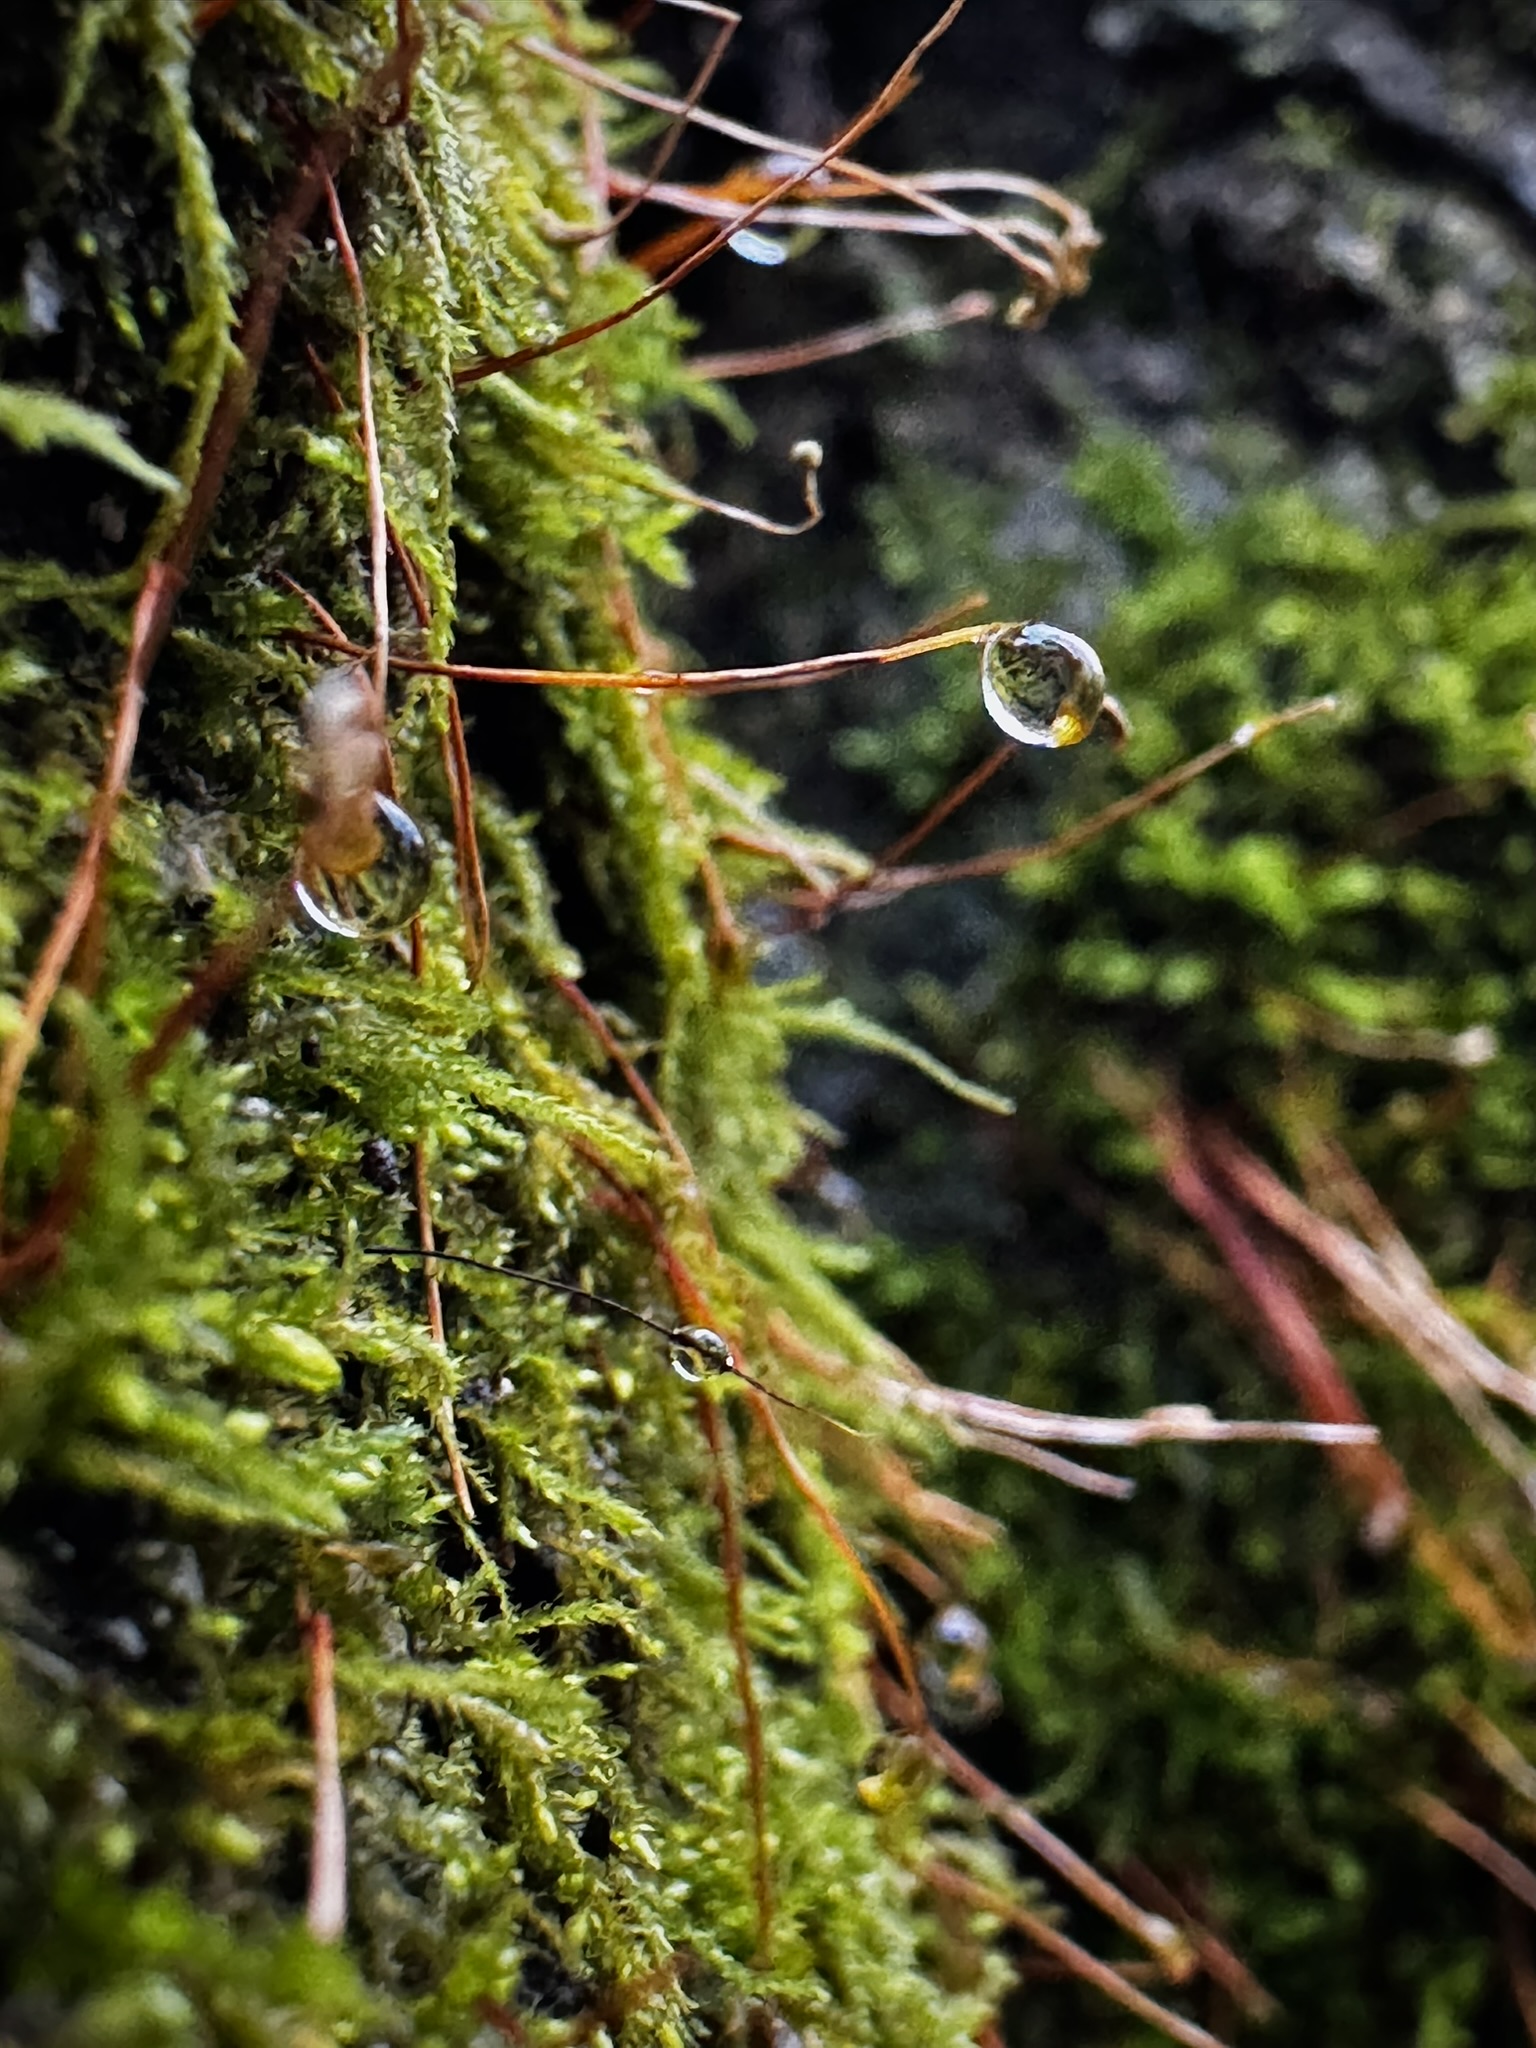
1172, 1425
703, 204
731, 366
1392, 1291
326, 1912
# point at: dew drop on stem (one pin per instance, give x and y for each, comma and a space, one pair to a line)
1042, 685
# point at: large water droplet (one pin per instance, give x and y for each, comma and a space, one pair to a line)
380, 897
1042, 685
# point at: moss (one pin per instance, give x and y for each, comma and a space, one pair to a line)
211, 1404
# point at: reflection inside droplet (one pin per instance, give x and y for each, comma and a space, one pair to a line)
698, 1352
1042, 685
379, 898
954, 1668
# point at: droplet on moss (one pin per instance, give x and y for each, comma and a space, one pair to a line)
382, 897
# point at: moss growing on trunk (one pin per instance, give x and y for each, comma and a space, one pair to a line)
217, 1417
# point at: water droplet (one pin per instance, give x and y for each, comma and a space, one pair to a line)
381, 895
1042, 685
954, 1668
694, 1346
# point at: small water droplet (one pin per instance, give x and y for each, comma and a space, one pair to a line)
382, 896
954, 1668
1042, 685
698, 1352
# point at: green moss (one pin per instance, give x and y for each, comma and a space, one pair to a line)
211, 1405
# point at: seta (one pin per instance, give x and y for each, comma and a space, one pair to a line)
688, 1344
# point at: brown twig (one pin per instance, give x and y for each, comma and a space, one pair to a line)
894, 89
958, 1884
1218, 1961
1515, 1942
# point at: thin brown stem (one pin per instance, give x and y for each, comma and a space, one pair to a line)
1471, 1841
886, 883
894, 90
1066, 271
642, 188
570, 992
1155, 1934
709, 682
958, 1884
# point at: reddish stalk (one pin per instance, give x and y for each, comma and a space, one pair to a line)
913, 1714
469, 870
957, 1884
224, 969
894, 90
1155, 1934
729, 21
1370, 1472
634, 1080
883, 884
695, 1305
946, 806
730, 366
1065, 273
326, 1913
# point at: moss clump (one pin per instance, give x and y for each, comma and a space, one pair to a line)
213, 1409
